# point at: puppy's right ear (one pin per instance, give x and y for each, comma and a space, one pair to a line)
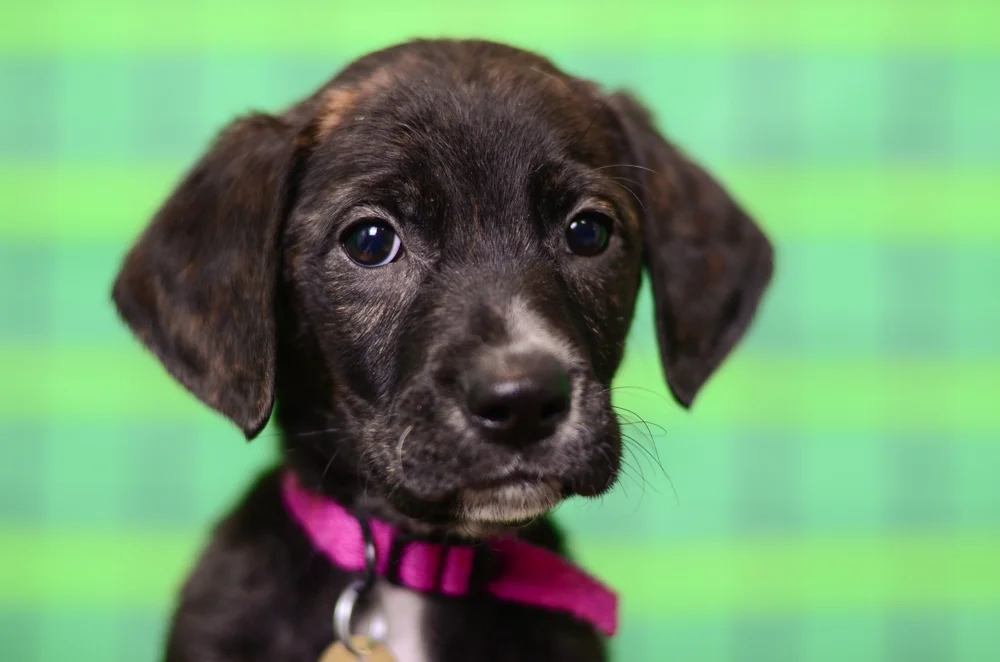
198, 287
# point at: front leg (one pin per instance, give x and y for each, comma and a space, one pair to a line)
259, 592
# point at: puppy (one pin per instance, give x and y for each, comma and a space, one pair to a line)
428, 269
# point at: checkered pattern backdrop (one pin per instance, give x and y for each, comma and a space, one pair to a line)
834, 494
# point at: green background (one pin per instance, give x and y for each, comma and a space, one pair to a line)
833, 495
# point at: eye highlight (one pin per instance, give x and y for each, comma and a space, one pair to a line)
371, 243
588, 233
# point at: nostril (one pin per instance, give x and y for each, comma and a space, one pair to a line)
492, 405
554, 409
496, 414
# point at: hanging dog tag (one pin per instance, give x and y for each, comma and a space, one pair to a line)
372, 651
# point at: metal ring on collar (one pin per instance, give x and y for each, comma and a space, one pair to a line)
371, 554
343, 610
342, 613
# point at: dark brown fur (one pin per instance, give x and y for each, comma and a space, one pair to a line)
478, 152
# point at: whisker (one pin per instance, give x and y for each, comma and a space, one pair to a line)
640, 419
310, 433
329, 464
627, 165
654, 459
659, 395
630, 191
654, 454
660, 430
399, 450
593, 119
630, 446
629, 180
639, 479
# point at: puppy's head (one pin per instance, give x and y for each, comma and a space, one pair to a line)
432, 262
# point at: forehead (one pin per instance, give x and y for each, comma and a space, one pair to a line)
492, 119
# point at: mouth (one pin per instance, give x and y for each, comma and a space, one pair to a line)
513, 499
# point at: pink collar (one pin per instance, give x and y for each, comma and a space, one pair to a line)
527, 574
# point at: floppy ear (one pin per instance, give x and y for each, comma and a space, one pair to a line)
198, 287
708, 262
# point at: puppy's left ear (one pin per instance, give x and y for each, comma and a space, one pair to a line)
199, 285
708, 261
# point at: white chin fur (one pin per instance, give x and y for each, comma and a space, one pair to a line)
511, 503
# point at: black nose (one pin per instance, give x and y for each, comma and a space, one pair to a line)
518, 399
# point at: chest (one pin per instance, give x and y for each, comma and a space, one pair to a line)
420, 628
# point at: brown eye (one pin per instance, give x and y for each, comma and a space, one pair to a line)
588, 233
371, 243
